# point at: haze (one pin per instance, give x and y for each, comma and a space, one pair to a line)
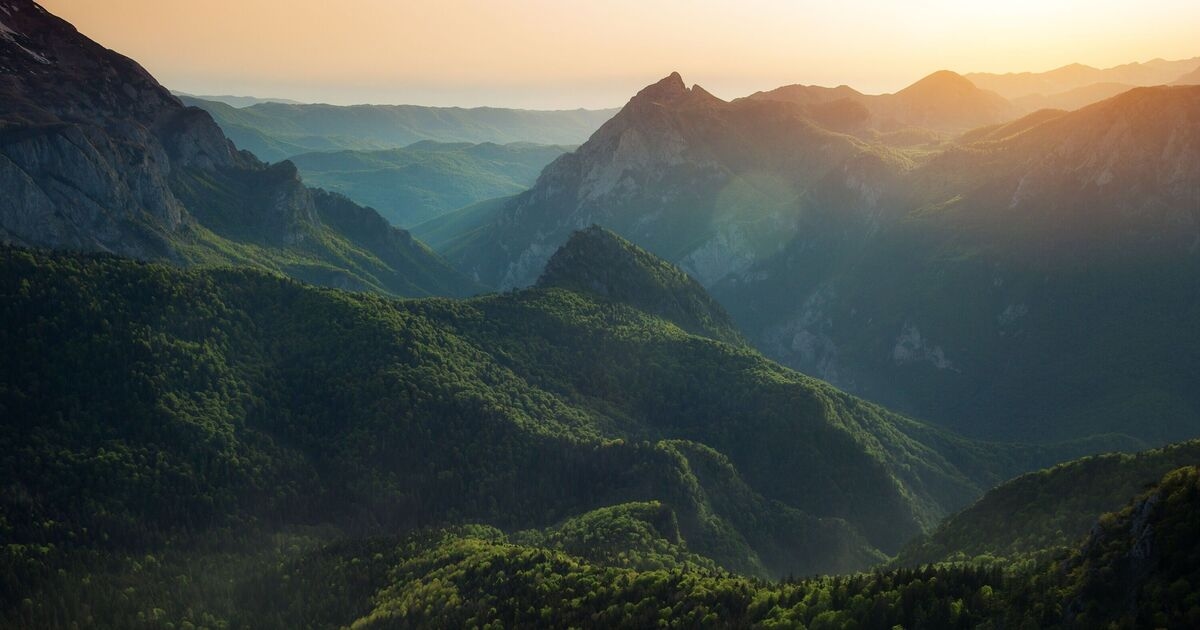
550, 54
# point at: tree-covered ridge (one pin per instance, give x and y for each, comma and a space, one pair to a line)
1140, 567
152, 404
620, 566
1048, 510
599, 262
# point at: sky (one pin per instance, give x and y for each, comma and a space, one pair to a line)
563, 54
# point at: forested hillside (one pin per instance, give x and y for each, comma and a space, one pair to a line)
151, 408
1046, 511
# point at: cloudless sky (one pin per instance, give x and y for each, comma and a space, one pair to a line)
596, 53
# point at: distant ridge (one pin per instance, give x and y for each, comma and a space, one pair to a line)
236, 101
278, 131
1015, 85
942, 101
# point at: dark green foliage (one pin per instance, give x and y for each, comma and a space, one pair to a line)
1140, 567
193, 415
149, 401
598, 262
1046, 511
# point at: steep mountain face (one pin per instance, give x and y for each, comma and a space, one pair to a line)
1039, 285
943, 101
1049, 510
96, 155
424, 180
709, 185
600, 263
1015, 85
279, 131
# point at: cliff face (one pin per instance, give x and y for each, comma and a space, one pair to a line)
95, 155
89, 141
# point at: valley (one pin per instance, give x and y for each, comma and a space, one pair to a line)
812, 357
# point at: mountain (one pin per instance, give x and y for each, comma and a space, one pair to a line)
1008, 287
96, 155
1138, 567
707, 184
1191, 78
1015, 85
1049, 510
150, 408
942, 101
1072, 99
424, 180
1003, 285
598, 262
278, 131
235, 101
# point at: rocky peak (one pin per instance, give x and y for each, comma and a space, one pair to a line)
667, 89
672, 91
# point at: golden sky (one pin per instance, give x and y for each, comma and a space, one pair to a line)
596, 53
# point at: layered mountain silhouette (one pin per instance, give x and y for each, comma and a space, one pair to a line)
277, 131
1015, 85
424, 180
942, 101
1191, 78
964, 284
96, 155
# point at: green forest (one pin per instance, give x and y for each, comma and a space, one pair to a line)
223, 447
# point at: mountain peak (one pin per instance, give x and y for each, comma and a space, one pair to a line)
668, 88
597, 261
941, 82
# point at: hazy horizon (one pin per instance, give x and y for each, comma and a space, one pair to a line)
598, 55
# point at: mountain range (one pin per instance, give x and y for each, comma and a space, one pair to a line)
943, 101
427, 179
278, 131
1015, 85
230, 400
234, 101
962, 284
